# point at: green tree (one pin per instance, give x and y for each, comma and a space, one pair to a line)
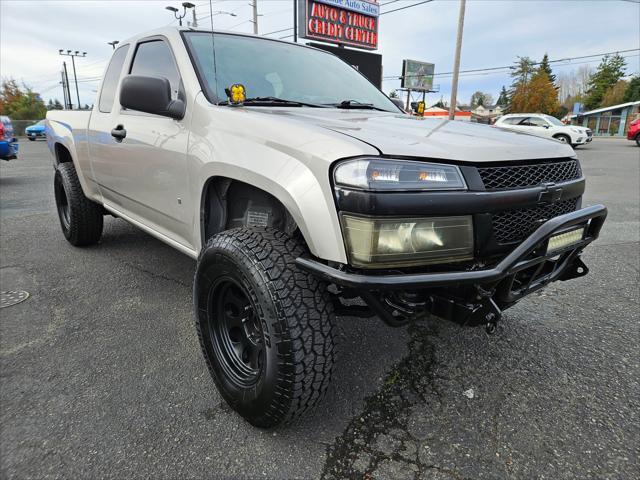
610, 70
393, 94
503, 98
544, 66
521, 73
20, 103
481, 99
54, 105
632, 93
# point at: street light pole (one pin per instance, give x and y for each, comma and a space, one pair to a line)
456, 62
75, 78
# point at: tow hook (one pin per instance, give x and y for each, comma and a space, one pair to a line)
492, 323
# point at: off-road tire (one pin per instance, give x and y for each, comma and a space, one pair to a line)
81, 219
295, 316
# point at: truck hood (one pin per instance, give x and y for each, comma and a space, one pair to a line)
404, 135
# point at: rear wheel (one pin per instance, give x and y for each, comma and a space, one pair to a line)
80, 218
638, 140
265, 327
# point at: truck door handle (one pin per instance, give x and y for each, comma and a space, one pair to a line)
119, 133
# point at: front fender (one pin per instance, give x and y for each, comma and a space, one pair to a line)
283, 157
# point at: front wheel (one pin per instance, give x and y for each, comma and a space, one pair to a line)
266, 328
638, 140
563, 138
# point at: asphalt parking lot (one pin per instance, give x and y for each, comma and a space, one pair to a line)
102, 376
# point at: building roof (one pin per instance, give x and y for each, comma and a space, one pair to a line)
613, 107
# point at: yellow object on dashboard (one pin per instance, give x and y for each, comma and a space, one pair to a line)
237, 93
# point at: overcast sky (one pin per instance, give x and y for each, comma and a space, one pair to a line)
495, 33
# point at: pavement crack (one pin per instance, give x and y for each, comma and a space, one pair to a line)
379, 442
149, 273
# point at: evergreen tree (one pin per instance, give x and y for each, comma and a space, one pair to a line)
632, 93
544, 66
521, 74
503, 99
610, 70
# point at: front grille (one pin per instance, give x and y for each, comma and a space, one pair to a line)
514, 225
521, 176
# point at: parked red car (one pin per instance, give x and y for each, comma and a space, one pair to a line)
634, 131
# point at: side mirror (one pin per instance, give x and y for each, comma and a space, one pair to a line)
150, 95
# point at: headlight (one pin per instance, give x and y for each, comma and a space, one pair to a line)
395, 242
386, 175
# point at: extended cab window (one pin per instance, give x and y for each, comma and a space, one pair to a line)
111, 78
154, 59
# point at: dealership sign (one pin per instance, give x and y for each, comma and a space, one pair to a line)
343, 22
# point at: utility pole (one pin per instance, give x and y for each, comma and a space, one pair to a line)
66, 83
254, 4
73, 62
295, 21
456, 62
64, 90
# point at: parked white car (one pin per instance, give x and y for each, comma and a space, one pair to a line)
545, 126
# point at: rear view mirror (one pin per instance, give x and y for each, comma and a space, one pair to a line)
150, 95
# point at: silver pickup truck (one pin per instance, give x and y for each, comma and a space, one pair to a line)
305, 193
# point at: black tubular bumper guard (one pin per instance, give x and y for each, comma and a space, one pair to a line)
519, 259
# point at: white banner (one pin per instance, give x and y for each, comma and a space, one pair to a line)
361, 6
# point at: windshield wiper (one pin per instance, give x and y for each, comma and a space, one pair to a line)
275, 101
355, 104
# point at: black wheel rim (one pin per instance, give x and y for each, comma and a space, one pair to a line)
235, 331
63, 204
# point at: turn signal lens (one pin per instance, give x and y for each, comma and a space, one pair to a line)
378, 174
394, 242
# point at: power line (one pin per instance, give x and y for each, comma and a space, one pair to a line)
405, 7
491, 72
509, 67
278, 31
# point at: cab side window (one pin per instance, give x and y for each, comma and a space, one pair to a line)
111, 77
513, 120
154, 59
537, 122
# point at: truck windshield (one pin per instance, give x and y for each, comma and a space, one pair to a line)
280, 70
